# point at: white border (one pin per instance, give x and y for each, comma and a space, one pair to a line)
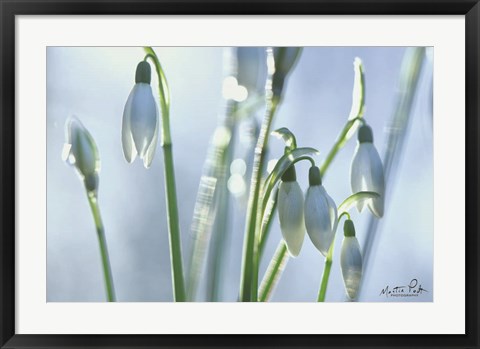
446, 34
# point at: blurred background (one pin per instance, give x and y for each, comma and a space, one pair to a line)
93, 83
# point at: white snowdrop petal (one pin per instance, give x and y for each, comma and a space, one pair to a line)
333, 212
147, 160
351, 264
377, 182
366, 174
318, 219
67, 154
357, 172
143, 117
290, 213
128, 146
67, 147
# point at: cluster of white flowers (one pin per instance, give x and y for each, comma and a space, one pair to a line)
317, 213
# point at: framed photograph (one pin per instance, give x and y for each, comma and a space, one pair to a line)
239, 174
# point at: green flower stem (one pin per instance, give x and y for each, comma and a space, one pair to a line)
107, 271
249, 273
170, 188
274, 270
267, 225
339, 143
173, 226
326, 274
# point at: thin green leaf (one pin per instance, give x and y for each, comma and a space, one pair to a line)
358, 93
352, 200
273, 273
267, 220
322, 292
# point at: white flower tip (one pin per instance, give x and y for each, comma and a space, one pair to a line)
294, 248
323, 252
360, 205
352, 293
129, 151
376, 207
66, 151
147, 162
357, 62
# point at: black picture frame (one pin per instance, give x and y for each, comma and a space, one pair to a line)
11, 8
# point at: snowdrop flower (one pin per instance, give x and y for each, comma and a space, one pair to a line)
351, 260
81, 152
140, 119
366, 172
320, 213
290, 212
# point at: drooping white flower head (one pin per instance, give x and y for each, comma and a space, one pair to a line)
290, 212
320, 213
81, 152
351, 260
366, 172
140, 119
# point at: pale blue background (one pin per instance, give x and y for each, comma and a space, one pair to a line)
93, 84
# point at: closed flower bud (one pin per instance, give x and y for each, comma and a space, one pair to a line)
140, 119
366, 172
290, 212
284, 60
320, 213
351, 260
81, 152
